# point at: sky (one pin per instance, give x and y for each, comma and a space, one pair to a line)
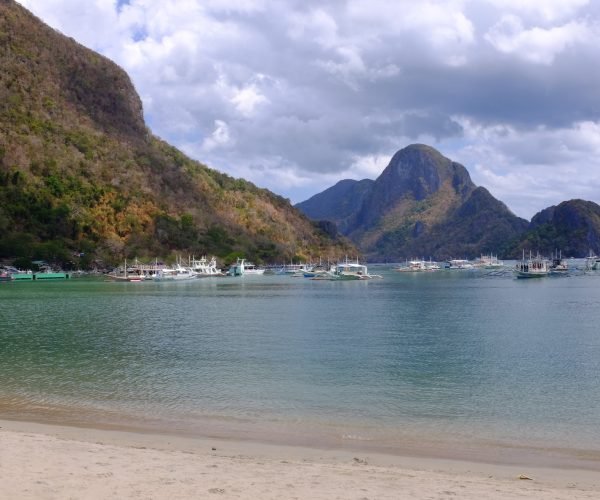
296, 95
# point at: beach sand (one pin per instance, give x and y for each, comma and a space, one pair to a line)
39, 461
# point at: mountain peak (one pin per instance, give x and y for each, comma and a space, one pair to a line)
420, 171
422, 204
415, 173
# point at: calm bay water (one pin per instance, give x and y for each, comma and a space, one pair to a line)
447, 357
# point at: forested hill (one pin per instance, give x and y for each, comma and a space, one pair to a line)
571, 227
82, 179
422, 204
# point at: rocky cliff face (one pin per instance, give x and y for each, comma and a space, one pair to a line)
424, 204
338, 204
415, 173
80, 174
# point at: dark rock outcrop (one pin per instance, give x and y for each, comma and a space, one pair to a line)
571, 227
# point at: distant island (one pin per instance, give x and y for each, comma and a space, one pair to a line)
425, 205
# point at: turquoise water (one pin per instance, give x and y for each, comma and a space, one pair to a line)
435, 358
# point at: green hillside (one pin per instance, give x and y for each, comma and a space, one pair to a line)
83, 181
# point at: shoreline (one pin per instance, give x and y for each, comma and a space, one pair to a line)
17, 414
57, 461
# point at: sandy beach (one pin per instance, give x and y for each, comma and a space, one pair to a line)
39, 461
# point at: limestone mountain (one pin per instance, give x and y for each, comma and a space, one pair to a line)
572, 227
422, 204
81, 174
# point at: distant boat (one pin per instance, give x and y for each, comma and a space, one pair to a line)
177, 273
48, 273
489, 262
250, 268
21, 275
558, 264
534, 267
459, 264
347, 271
318, 270
204, 267
592, 262
126, 274
293, 269
416, 266
242, 268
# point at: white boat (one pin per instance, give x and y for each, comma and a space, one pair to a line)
534, 267
203, 267
242, 268
459, 264
293, 269
250, 268
489, 262
318, 270
347, 271
417, 266
558, 264
592, 262
177, 273
128, 274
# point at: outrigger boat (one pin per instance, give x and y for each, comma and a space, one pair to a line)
347, 271
241, 268
592, 262
125, 274
534, 267
558, 264
418, 266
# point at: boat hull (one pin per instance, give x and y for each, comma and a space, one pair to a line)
50, 276
525, 275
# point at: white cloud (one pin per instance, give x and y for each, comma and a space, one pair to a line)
247, 98
530, 170
546, 11
219, 138
536, 44
367, 166
297, 95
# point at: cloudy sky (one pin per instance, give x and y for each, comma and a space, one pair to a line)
296, 95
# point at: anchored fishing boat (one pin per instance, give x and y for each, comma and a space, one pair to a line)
533, 267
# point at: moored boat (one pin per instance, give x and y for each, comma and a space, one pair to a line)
177, 273
22, 276
459, 264
48, 273
318, 270
558, 264
592, 262
489, 262
416, 266
347, 271
203, 267
126, 274
242, 268
534, 267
